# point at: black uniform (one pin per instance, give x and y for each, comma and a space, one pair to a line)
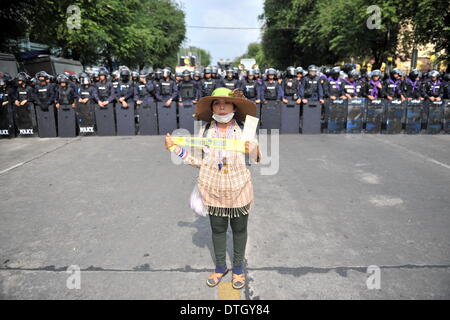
412, 89
24, 115
89, 92
393, 88
66, 95
251, 89
207, 86
352, 88
312, 88
290, 88
371, 89
125, 89
271, 91
333, 87
145, 92
105, 91
168, 89
433, 89
6, 110
188, 91
231, 83
45, 95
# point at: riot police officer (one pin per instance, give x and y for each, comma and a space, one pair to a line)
208, 84
433, 89
311, 87
290, 87
45, 93
134, 78
95, 76
33, 82
334, 88
352, 87
24, 93
251, 87
51, 80
167, 110
115, 78
146, 97
447, 86
374, 87
7, 93
87, 97
23, 106
178, 76
258, 76
236, 73
393, 86
124, 110
299, 74
168, 88
215, 75
187, 90
65, 93
144, 91
45, 111
104, 110
150, 74
105, 91
81, 76
86, 92
65, 98
125, 89
230, 80
197, 77
73, 81
271, 89
270, 95
157, 76
412, 87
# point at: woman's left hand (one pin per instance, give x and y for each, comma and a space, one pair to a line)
250, 147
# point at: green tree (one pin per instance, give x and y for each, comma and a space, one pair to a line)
134, 32
254, 50
302, 32
430, 21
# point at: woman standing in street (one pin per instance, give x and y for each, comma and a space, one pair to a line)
224, 180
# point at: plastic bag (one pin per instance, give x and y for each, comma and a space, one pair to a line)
196, 202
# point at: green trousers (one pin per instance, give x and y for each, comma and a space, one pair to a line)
219, 227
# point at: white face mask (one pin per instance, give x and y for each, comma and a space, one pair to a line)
223, 119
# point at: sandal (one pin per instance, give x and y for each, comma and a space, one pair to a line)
238, 281
214, 279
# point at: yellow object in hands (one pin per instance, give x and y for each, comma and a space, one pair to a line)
213, 143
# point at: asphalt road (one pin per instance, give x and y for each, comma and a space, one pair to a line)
117, 208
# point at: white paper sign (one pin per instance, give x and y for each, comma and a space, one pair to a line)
250, 126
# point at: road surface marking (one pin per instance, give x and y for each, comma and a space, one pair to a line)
418, 154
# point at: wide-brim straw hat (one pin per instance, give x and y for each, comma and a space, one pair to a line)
203, 110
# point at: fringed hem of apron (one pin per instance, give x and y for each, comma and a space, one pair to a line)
229, 212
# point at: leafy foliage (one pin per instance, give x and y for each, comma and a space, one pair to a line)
254, 50
301, 32
134, 32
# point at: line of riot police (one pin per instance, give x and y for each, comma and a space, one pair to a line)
331, 100
155, 102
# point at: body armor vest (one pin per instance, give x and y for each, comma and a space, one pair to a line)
271, 91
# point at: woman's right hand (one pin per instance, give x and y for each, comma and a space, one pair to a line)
169, 141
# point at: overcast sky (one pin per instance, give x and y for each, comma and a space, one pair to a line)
222, 44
